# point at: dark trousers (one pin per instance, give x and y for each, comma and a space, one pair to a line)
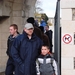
10, 67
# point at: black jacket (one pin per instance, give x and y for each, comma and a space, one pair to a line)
49, 34
9, 44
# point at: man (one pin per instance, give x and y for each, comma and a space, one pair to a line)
49, 34
13, 29
25, 50
37, 31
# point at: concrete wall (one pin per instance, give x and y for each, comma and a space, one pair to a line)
68, 27
17, 15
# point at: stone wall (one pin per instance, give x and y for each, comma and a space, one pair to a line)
17, 15
68, 27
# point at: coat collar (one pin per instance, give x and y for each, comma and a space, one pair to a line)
26, 37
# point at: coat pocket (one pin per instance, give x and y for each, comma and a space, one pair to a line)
21, 68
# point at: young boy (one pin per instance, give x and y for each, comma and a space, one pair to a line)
45, 64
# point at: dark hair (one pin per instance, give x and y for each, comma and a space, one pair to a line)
43, 18
45, 46
14, 26
31, 20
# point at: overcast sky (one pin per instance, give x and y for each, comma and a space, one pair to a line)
49, 7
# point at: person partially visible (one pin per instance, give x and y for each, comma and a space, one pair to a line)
10, 67
49, 33
25, 50
45, 64
36, 23
43, 23
44, 36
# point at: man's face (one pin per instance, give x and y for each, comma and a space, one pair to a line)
12, 30
44, 50
29, 31
46, 28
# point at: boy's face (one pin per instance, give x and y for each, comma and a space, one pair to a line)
44, 50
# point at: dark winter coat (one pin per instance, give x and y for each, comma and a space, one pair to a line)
38, 32
49, 34
24, 51
44, 36
45, 39
9, 44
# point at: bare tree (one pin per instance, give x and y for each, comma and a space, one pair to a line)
37, 7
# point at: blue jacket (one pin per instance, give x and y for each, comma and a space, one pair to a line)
24, 51
43, 23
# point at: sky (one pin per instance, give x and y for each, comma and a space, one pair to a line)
49, 7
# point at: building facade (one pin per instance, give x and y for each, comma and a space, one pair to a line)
68, 37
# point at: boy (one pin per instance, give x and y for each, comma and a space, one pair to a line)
45, 64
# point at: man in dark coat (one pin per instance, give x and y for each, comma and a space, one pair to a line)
49, 33
25, 50
10, 67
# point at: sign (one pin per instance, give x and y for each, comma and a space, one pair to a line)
67, 38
